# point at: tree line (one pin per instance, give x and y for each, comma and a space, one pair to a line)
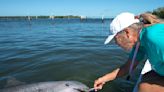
159, 12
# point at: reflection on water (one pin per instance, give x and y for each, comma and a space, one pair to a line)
59, 49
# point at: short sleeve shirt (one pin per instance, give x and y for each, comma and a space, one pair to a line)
152, 47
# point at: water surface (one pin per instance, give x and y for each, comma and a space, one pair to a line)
60, 49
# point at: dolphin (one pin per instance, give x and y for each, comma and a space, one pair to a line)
51, 86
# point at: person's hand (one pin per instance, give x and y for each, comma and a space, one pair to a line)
99, 84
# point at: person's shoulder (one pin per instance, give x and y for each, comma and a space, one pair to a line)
154, 31
155, 26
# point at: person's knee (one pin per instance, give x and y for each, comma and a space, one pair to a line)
143, 87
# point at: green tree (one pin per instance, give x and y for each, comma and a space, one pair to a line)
159, 12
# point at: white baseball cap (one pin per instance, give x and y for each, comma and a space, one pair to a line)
119, 23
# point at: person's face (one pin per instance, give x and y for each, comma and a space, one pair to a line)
125, 39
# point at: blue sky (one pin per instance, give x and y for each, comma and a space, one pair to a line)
91, 8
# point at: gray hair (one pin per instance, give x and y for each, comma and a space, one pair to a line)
136, 26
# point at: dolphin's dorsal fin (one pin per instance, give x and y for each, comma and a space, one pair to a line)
11, 81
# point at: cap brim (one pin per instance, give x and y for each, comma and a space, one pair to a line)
109, 38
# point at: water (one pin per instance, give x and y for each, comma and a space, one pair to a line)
60, 49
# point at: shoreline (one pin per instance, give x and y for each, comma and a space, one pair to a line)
37, 17
53, 17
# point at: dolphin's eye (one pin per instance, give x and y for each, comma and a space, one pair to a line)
67, 85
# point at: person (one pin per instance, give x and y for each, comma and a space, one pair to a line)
128, 30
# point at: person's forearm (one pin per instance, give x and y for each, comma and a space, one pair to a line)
115, 74
119, 72
110, 76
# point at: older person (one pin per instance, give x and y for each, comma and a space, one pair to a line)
130, 33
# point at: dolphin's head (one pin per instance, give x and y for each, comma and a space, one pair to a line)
53, 86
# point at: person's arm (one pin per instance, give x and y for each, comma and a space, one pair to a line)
123, 70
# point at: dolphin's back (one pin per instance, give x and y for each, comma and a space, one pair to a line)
55, 86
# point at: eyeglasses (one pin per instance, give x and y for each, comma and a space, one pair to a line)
141, 19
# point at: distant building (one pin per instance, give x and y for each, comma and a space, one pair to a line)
83, 17
51, 17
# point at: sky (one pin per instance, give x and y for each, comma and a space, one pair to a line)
89, 8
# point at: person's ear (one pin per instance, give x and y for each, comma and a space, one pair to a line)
128, 32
